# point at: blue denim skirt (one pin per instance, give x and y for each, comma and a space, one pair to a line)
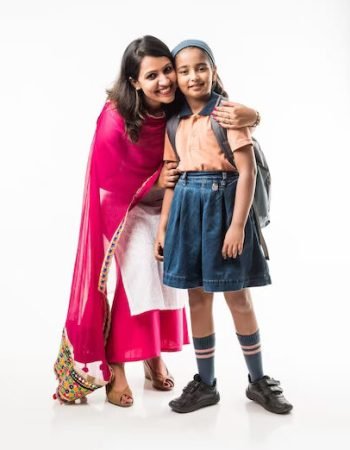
201, 212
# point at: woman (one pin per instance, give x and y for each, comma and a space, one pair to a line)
123, 194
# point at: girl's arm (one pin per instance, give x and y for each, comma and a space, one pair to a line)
246, 166
163, 223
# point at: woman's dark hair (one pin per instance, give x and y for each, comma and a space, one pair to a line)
129, 101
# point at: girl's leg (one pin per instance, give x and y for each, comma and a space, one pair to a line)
201, 391
201, 305
262, 389
242, 310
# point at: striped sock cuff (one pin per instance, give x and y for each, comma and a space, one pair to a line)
204, 347
250, 343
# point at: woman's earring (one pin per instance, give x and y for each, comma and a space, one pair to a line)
137, 98
137, 103
137, 90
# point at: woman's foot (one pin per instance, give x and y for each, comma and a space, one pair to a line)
118, 390
157, 372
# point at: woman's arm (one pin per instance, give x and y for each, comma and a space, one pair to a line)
163, 223
233, 115
246, 166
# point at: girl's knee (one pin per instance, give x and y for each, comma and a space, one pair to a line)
240, 301
198, 299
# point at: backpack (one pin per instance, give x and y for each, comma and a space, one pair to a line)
262, 194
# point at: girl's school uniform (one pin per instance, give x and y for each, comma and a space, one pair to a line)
201, 212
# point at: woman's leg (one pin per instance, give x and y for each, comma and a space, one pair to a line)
142, 337
114, 346
157, 372
119, 384
242, 310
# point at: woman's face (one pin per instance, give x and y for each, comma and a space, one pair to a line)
157, 79
195, 74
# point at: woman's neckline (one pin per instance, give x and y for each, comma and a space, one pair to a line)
159, 115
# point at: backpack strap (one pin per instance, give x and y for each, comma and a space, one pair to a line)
221, 137
261, 238
171, 128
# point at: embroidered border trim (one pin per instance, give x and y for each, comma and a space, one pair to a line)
103, 278
102, 282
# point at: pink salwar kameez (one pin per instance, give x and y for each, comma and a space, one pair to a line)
119, 175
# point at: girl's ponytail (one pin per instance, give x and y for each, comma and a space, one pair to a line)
218, 87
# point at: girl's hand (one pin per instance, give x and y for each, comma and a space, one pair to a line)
159, 245
168, 175
233, 242
233, 115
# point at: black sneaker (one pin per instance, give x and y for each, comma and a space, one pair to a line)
268, 393
196, 395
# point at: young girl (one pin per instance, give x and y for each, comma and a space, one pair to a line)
211, 242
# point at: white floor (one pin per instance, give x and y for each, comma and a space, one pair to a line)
308, 354
320, 419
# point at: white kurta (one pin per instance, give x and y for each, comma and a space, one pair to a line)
142, 274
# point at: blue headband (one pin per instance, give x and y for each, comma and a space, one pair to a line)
194, 43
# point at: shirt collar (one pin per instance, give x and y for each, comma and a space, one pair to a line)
206, 111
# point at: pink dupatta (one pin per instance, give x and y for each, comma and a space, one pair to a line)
119, 174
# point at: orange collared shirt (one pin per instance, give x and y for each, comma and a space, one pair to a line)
197, 147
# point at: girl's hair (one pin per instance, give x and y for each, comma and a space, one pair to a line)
218, 86
129, 101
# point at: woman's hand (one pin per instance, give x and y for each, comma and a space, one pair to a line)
159, 245
233, 115
168, 175
233, 242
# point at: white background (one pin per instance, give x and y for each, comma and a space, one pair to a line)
288, 59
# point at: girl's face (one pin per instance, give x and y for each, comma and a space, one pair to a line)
157, 79
195, 74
